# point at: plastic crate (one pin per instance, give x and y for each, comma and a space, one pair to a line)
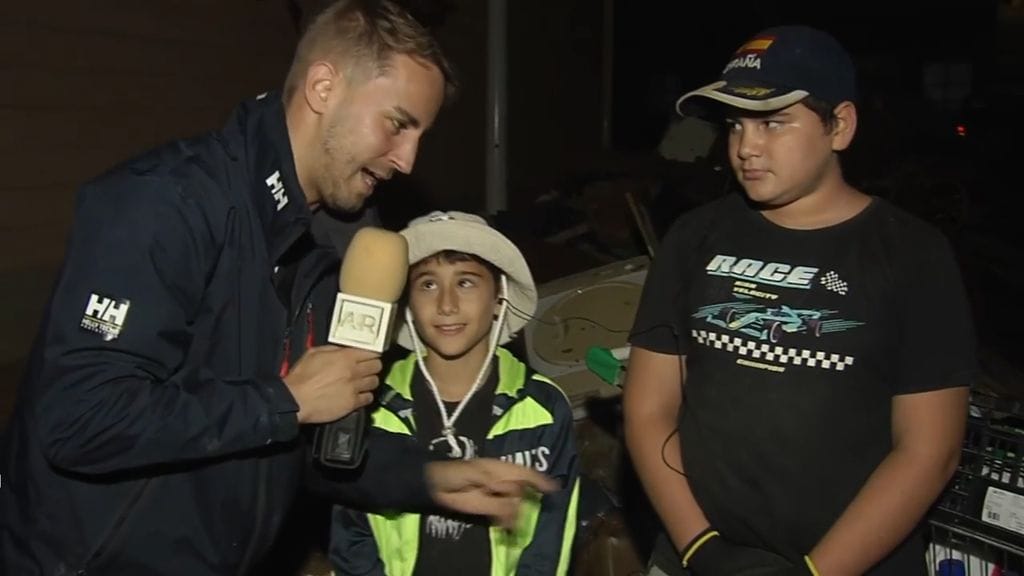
976, 554
985, 497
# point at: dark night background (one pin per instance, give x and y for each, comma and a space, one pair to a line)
952, 161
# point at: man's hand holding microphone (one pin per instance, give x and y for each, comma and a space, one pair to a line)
336, 381
330, 382
333, 384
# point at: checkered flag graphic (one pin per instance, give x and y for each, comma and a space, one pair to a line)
772, 352
832, 282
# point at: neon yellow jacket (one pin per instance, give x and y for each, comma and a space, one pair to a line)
532, 425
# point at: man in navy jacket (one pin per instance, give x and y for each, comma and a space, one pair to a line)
156, 431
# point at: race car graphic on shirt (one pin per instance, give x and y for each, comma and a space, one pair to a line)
772, 323
770, 326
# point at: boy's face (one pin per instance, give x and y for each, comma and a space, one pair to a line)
453, 305
780, 157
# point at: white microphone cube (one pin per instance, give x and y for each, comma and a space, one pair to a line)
361, 322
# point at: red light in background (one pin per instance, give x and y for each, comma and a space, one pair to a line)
961, 130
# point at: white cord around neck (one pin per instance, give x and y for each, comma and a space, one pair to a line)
448, 422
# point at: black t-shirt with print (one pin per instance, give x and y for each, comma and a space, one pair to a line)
795, 343
453, 544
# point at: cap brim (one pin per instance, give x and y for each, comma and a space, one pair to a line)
756, 99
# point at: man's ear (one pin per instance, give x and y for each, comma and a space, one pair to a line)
845, 126
322, 82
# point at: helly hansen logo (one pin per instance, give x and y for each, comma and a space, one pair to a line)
105, 316
277, 189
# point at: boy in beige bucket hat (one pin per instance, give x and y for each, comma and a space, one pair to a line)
462, 395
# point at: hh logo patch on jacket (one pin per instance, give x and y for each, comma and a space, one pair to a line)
105, 316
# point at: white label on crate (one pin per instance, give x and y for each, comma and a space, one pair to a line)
1004, 509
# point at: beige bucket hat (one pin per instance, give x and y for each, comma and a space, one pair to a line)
468, 233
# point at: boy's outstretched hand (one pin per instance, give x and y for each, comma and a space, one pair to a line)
484, 487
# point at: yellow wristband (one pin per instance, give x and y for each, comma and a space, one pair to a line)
811, 566
700, 542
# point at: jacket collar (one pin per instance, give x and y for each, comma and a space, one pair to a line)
273, 185
512, 376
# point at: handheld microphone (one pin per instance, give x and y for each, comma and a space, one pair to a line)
372, 278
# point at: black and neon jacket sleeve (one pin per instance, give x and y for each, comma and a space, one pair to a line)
353, 550
549, 551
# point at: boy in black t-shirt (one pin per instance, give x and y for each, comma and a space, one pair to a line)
811, 345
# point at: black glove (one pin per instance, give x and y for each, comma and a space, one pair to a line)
708, 554
804, 568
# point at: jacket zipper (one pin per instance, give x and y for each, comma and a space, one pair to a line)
286, 362
310, 339
261, 495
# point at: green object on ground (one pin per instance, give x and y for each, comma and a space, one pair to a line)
600, 361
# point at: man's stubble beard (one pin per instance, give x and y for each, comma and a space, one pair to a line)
334, 181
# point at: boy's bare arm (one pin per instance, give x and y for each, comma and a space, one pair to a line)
928, 430
652, 401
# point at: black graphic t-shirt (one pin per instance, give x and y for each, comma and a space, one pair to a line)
795, 343
453, 544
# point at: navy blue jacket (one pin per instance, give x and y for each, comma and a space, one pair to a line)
153, 433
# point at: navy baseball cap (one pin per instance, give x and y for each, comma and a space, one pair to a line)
781, 66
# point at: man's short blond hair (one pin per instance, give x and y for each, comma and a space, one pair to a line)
362, 36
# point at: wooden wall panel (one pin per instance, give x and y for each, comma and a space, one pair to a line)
87, 85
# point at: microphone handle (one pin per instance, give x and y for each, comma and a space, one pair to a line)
342, 443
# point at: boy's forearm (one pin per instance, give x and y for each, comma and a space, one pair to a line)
668, 490
928, 429
884, 512
652, 401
